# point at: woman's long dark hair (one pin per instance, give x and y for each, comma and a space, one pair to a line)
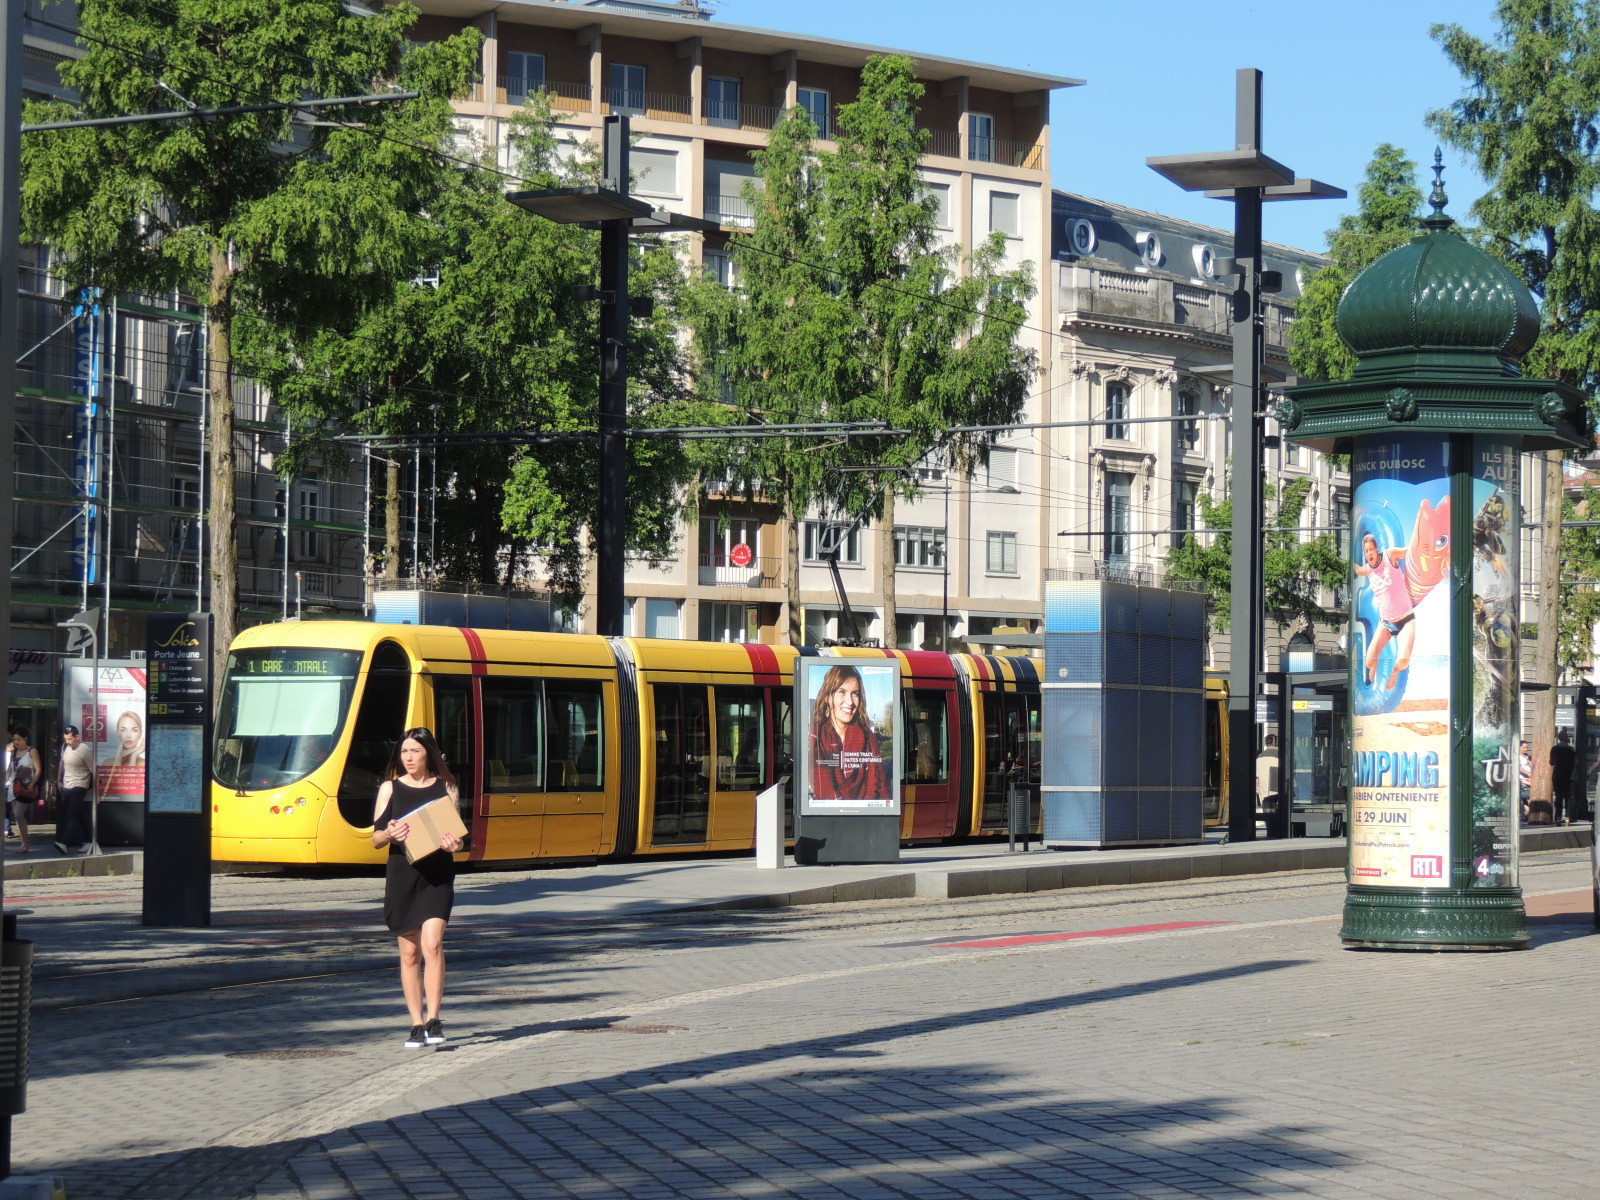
436, 764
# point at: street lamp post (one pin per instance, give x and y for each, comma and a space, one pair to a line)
1247, 177
611, 209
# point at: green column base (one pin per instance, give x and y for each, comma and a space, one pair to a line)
1434, 919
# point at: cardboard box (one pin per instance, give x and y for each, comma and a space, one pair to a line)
429, 824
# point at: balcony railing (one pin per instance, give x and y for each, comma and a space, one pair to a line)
656, 106
718, 570
1027, 155
742, 116
944, 142
734, 212
515, 89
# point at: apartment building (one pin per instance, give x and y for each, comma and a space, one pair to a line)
1144, 360
702, 96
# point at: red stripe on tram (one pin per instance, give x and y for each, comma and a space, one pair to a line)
764, 664
475, 650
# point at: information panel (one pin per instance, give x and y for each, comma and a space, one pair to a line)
848, 761
1400, 662
179, 662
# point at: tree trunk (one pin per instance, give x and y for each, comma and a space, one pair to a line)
391, 519
1545, 648
791, 568
891, 635
224, 557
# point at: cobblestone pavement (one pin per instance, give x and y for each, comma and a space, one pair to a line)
1201, 1039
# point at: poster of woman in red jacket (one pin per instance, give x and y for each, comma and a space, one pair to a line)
852, 737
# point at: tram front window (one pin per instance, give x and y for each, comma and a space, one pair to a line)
282, 711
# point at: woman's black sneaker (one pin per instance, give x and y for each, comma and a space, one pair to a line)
434, 1033
418, 1038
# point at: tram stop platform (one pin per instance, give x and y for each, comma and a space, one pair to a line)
985, 868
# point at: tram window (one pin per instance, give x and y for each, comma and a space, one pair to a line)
783, 733
513, 734
452, 705
741, 740
281, 710
576, 752
928, 736
380, 718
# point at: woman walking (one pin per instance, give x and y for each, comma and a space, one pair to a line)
417, 897
23, 775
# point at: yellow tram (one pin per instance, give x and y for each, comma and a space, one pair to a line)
571, 746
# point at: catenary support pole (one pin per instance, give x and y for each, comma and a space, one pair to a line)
610, 560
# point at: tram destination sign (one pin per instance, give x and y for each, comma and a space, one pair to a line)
178, 656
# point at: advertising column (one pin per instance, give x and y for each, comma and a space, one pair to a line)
1400, 663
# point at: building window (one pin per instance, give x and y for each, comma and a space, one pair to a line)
722, 101
626, 93
655, 172
720, 266
1003, 470
815, 103
1183, 500
1005, 213
308, 508
1341, 526
1117, 410
918, 546
819, 539
728, 622
1185, 434
661, 619
1118, 516
524, 74
939, 194
980, 137
1002, 558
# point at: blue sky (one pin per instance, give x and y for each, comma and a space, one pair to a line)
1339, 78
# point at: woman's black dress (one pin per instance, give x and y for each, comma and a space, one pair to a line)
415, 892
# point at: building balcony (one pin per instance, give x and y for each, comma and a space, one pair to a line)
719, 570
1027, 155
755, 117
653, 106
516, 89
732, 212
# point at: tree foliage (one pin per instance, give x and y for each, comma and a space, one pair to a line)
1294, 569
1530, 120
1386, 218
849, 309
483, 333
263, 213
1580, 580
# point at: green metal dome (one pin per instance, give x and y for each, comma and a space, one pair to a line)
1438, 298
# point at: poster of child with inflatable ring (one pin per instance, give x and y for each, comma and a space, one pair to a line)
1400, 663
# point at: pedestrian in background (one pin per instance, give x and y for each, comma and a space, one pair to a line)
1524, 776
23, 777
75, 834
1563, 758
417, 896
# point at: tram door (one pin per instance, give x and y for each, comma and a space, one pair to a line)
456, 731
682, 761
1011, 740
1314, 770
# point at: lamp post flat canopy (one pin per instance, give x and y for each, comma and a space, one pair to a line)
577, 205
1247, 177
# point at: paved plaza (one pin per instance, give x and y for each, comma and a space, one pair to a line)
1201, 1038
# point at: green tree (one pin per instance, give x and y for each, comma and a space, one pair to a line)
483, 333
1387, 218
1294, 569
849, 310
255, 213
1530, 120
1580, 579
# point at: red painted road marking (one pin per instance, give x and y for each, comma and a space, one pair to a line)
1029, 939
